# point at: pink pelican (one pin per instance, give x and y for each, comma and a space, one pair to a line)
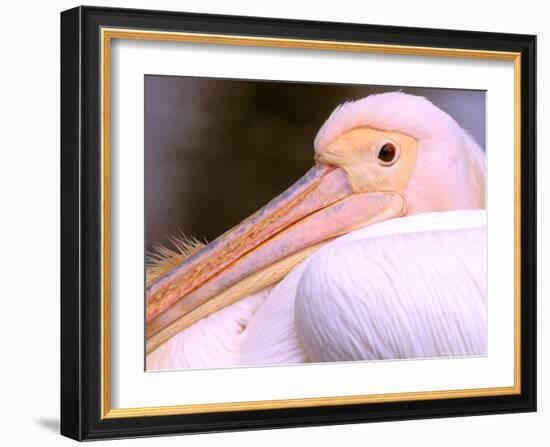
378, 252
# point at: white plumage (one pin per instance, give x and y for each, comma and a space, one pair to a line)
411, 287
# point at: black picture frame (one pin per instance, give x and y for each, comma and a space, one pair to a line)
81, 208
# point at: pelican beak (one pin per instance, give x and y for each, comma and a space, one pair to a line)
317, 208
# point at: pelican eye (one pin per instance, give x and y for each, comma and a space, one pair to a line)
388, 153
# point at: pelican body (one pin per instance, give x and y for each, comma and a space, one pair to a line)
378, 252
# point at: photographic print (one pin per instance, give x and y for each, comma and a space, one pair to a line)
290, 223
272, 223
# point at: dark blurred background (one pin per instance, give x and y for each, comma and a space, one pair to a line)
216, 150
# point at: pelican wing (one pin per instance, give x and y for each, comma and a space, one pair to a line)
410, 295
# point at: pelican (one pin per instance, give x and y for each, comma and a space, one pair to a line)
378, 252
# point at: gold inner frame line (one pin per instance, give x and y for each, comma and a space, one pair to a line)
106, 36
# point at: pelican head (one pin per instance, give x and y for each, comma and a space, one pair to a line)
444, 167
377, 158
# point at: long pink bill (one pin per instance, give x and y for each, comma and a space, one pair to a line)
319, 206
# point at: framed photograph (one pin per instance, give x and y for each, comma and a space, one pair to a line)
275, 223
